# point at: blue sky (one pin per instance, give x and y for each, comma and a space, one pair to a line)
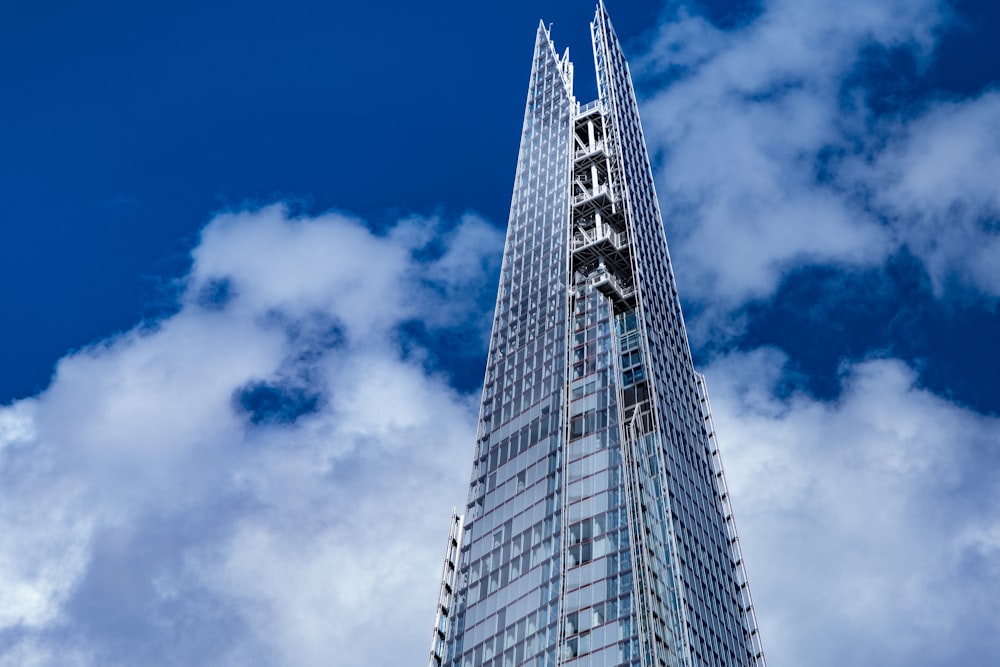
250, 259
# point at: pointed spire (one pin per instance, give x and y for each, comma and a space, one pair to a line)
542, 41
543, 44
602, 13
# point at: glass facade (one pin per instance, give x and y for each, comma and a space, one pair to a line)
598, 530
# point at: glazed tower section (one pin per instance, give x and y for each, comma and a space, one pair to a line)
598, 530
506, 602
695, 606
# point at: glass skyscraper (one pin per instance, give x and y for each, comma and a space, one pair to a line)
598, 530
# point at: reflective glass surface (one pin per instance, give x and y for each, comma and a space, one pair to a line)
508, 592
708, 620
596, 530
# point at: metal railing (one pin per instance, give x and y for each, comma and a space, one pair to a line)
583, 238
598, 147
602, 279
593, 194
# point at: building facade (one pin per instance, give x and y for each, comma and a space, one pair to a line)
598, 530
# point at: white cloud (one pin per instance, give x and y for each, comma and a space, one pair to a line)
145, 519
869, 524
141, 502
936, 181
770, 158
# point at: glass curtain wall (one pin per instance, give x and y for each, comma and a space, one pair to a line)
597, 532
509, 576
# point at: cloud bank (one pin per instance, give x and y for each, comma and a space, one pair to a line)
869, 522
263, 477
870, 525
775, 151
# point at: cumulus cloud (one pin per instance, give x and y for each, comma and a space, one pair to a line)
263, 477
870, 524
935, 181
256, 479
771, 156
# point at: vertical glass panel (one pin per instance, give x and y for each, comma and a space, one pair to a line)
515, 492
594, 532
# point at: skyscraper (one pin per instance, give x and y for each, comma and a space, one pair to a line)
598, 529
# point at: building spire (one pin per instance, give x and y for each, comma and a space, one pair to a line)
598, 522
